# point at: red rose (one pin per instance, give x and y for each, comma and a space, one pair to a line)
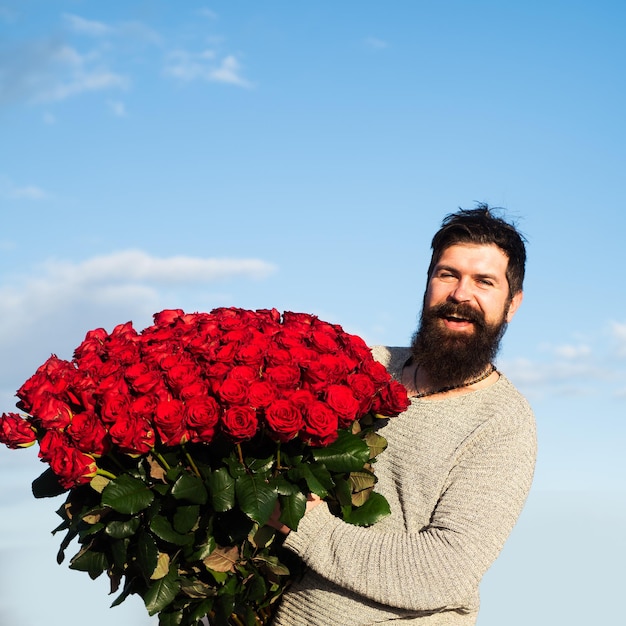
169, 422
194, 389
239, 423
290, 338
261, 393
202, 415
301, 398
357, 348
92, 344
283, 375
320, 424
275, 356
376, 371
16, 432
324, 340
233, 391
52, 413
88, 434
167, 317
226, 353
244, 373
141, 377
53, 377
114, 406
327, 370
71, 466
363, 390
299, 321
392, 399
181, 376
253, 352
341, 400
113, 382
284, 419
133, 434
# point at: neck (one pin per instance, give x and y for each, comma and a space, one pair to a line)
419, 384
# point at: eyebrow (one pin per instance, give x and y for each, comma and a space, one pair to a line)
454, 270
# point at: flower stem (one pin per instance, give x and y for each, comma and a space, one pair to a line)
240, 453
107, 474
159, 457
194, 467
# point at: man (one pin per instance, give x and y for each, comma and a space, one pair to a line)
460, 459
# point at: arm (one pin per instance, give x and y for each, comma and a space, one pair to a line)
440, 566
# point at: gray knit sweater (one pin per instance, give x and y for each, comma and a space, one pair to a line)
456, 474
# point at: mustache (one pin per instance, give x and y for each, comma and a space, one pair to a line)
458, 309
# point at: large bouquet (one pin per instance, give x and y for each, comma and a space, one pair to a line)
176, 445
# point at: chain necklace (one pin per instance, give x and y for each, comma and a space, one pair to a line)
488, 372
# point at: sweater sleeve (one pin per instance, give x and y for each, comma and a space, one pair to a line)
439, 567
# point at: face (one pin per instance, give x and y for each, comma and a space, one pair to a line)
466, 310
475, 276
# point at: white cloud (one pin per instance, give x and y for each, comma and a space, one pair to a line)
572, 352
8, 189
48, 71
49, 309
86, 27
96, 29
208, 13
204, 65
134, 265
618, 331
117, 108
374, 42
29, 193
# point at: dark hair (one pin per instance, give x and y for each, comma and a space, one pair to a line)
481, 226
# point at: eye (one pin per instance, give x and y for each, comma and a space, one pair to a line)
485, 282
445, 275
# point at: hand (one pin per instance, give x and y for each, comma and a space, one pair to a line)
274, 521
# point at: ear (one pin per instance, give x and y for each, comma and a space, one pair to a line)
516, 300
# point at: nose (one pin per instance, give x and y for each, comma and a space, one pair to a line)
461, 291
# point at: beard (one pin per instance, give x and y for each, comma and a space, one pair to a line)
451, 357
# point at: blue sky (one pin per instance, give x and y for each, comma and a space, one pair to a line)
300, 156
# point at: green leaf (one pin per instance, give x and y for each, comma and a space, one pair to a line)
191, 488
273, 564
222, 487
94, 563
343, 492
373, 510
162, 528
292, 509
261, 536
349, 453
47, 485
259, 466
255, 497
322, 475
376, 443
163, 592
303, 472
147, 553
202, 609
171, 618
186, 518
283, 486
119, 553
203, 551
128, 495
119, 529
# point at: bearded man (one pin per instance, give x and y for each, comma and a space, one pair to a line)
459, 461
